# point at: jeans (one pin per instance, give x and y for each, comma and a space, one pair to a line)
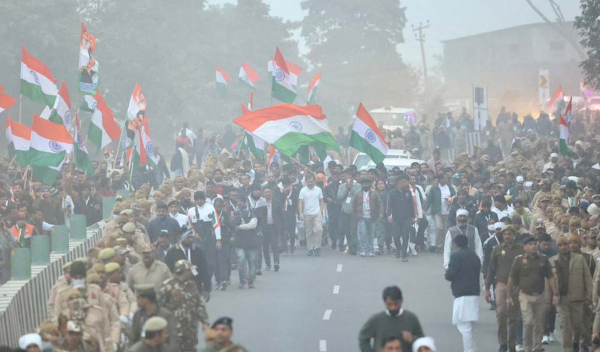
382, 234
365, 235
270, 240
246, 262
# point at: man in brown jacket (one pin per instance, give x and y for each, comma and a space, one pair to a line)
366, 209
575, 291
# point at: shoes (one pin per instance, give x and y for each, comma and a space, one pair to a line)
371, 254
379, 252
397, 254
242, 285
310, 253
551, 337
223, 285
519, 348
302, 243
545, 340
250, 284
404, 259
276, 267
318, 252
362, 254
258, 272
503, 348
333, 245
268, 268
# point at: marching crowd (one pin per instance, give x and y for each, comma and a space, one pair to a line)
516, 213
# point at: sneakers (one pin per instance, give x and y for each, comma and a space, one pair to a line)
310, 253
545, 340
276, 267
333, 244
223, 285
503, 348
250, 284
404, 259
258, 272
371, 254
268, 268
242, 285
362, 254
519, 348
551, 337
318, 252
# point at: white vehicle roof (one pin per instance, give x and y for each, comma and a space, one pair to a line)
395, 157
392, 110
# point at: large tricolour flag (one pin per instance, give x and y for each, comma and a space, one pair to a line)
312, 88
18, 137
37, 81
565, 121
254, 143
288, 127
103, 128
222, 78
248, 75
137, 104
61, 111
6, 101
295, 70
282, 88
50, 143
366, 136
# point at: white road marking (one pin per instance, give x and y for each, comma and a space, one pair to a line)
322, 345
339, 268
327, 314
336, 289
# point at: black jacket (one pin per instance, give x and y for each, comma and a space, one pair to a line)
92, 210
198, 259
463, 273
169, 226
481, 223
400, 205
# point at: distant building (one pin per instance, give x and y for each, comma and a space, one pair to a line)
508, 61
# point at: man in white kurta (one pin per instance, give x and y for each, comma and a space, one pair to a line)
463, 273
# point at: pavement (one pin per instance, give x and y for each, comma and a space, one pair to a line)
320, 303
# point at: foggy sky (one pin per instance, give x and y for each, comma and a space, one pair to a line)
448, 19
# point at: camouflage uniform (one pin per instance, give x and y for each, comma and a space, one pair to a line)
184, 300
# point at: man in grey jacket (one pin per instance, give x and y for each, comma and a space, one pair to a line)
347, 230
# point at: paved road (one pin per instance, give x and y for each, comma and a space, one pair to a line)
298, 309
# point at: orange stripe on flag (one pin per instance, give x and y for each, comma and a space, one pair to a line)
364, 115
18, 129
50, 130
36, 65
254, 119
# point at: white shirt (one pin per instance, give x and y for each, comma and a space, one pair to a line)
448, 247
446, 194
503, 213
181, 219
204, 213
212, 200
366, 205
311, 199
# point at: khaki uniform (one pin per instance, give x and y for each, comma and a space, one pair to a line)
529, 273
60, 285
140, 317
116, 292
97, 325
94, 297
139, 239
110, 226
88, 344
113, 318
498, 273
155, 275
575, 291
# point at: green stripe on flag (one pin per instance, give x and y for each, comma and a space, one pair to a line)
95, 136
35, 93
291, 142
360, 144
44, 175
22, 156
39, 158
281, 93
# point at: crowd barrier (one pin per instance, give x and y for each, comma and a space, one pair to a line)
34, 271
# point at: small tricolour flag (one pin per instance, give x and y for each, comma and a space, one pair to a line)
222, 78
254, 144
103, 128
137, 104
89, 103
50, 143
82, 157
555, 99
565, 121
61, 111
37, 82
294, 69
248, 75
282, 88
312, 88
366, 136
288, 127
6, 101
18, 137
273, 156
88, 65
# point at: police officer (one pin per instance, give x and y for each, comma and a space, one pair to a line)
499, 268
181, 296
529, 273
147, 302
155, 334
222, 329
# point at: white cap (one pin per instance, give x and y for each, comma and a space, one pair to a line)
30, 339
363, 168
554, 155
528, 184
520, 179
460, 212
424, 342
499, 225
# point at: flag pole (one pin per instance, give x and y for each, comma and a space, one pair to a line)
118, 147
20, 106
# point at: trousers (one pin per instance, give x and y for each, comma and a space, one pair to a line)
270, 244
223, 271
571, 314
506, 316
347, 231
401, 236
441, 224
313, 225
467, 330
365, 235
246, 264
532, 309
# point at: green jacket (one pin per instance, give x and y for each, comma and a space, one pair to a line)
344, 194
434, 198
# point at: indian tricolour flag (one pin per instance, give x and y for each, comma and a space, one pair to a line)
295, 70
82, 157
103, 127
248, 75
147, 144
222, 78
18, 137
37, 81
565, 121
50, 143
312, 88
254, 143
555, 99
366, 136
89, 103
282, 87
61, 111
288, 127
6, 101
137, 104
